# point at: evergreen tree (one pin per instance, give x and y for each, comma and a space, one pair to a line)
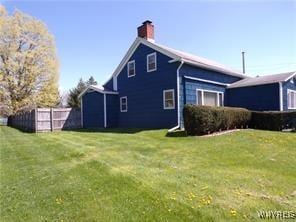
91, 81
73, 100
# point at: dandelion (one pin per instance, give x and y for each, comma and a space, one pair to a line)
206, 200
233, 212
59, 200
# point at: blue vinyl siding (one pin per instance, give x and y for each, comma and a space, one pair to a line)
259, 98
109, 85
287, 85
144, 92
188, 70
93, 110
112, 104
188, 90
188, 87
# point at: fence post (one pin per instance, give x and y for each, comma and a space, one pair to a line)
51, 119
36, 119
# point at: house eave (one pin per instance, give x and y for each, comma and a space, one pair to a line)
97, 90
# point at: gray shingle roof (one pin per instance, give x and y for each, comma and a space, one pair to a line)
262, 80
202, 62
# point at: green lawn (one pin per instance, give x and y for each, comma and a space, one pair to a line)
145, 176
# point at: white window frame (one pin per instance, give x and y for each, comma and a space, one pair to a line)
288, 98
123, 110
147, 61
128, 69
211, 91
163, 97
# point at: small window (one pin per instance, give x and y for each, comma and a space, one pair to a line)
168, 99
123, 104
151, 62
291, 99
131, 68
209, 98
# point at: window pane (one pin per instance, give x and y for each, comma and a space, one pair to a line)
151, 62
210, 99
199, 101
169, 99
151, 66
123, 104
168, 95
151, 59
221, 102
131, 68
293, 99
169, 103
289, 99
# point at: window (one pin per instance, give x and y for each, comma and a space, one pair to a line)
168, 99
151, 62
209, 98
123, 104
131, 68
291, 99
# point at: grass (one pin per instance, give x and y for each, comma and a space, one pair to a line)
145, 176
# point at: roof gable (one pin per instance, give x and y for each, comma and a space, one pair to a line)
98, 89
176, 55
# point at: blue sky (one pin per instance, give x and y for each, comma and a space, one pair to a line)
93, 36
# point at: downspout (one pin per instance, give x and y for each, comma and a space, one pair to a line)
105, 111
281, 95
178, 98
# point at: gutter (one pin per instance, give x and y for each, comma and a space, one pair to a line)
178, 98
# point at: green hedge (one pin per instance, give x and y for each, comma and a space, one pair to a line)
273, 120
200, 120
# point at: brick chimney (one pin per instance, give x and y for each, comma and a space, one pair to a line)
146, 31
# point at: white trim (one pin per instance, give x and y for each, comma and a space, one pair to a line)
281, 95
289, 91
97, 89
147, 62
163, 98
81, 112
105, 112
115, 83
178, 98
292, 75
134, 63
121, 110
207, 81
211, 91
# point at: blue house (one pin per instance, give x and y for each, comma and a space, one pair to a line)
152, 83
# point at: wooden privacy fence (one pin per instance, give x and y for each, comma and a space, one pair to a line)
47, 119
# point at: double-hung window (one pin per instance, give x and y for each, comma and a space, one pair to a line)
131, 68
291, 99
209, 98
151, 62
169, 99
123, 104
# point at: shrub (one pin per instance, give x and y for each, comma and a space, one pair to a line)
200, 120
273, 120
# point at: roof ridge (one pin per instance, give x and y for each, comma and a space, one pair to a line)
197, 58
